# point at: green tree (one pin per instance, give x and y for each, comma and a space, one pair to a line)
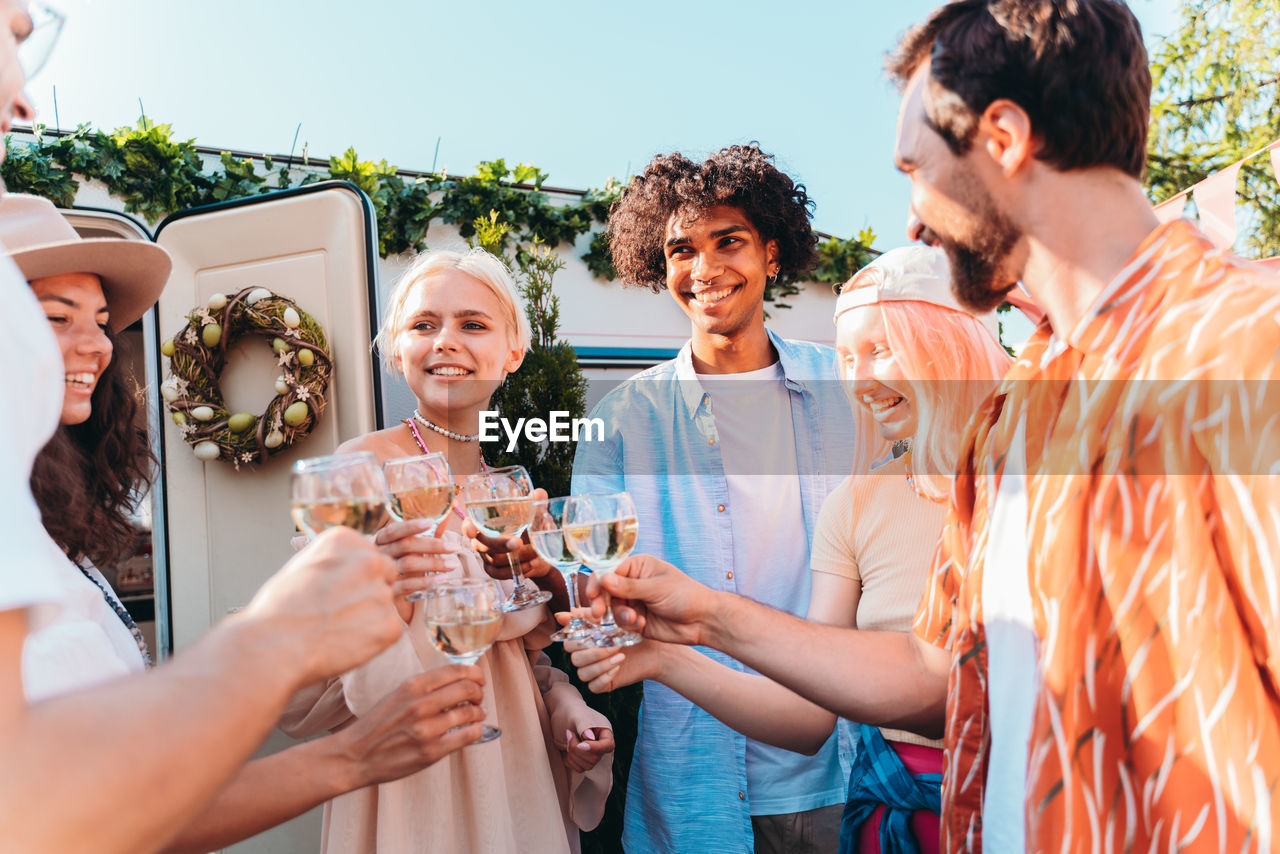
1215, 100
550, 379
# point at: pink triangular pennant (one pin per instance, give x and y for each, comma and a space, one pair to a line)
1171, 209
1216, 200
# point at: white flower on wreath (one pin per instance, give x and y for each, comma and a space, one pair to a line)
189, 336
301, 393
187, 429
246, 457
204, 315
179, 385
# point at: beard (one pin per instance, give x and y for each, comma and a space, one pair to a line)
979, 279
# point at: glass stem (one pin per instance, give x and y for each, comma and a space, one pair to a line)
607, 624
571, 582
516, 574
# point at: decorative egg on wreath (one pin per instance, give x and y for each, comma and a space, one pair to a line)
198, 354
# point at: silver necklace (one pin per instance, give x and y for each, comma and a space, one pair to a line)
442, 431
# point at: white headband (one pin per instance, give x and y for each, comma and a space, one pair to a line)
915, 273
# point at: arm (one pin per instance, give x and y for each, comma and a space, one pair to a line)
406, 732
893, 679
182, 730
753, 705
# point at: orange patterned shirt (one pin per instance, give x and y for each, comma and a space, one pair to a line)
1153, 486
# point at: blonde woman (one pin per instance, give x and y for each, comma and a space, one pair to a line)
453, 329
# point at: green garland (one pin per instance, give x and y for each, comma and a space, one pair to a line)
156, 175
198, 353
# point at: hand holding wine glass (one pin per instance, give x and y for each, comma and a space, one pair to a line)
346, 490
421, 492
499, 502
463, 618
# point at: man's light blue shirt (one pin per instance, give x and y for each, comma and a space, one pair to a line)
688, 786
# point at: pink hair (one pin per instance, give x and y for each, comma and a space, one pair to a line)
952, 364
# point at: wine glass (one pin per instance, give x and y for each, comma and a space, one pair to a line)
546, 532
600, 530
463, 617
420, 487
343, 489
500, 503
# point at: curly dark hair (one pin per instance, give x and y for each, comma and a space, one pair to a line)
85, 480
740, 176
1057, 59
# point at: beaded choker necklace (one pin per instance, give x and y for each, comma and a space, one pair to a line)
459, 437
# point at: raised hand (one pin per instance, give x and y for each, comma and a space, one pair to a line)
330, 605
497, 553
608, 669
416, 557
652, 597
414, 726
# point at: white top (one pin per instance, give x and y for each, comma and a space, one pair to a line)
752, 412
31, 383
85, 643
1013, 675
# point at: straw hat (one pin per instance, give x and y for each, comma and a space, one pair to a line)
42, 243
918, 273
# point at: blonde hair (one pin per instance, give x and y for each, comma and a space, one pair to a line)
951, 363
484, 267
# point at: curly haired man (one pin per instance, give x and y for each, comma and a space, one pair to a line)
738, 438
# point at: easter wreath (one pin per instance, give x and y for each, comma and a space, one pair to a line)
198, 354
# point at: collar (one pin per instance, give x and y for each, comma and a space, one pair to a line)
690, 382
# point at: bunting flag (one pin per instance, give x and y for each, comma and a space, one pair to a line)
1172, 208
1215, 199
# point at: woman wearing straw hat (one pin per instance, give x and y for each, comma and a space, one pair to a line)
86, 481
916, 366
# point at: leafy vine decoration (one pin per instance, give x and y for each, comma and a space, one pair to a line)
155, 174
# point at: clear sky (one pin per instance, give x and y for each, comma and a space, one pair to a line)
584, 89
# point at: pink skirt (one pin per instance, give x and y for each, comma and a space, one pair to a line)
918, 759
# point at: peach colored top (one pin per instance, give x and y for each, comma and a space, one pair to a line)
512, 794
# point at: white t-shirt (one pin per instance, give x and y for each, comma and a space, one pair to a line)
752, 412
1013, 673
31, 383
85, 643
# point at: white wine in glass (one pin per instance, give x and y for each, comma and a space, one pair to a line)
601, 531
463, 617
502, 517
365, 515
421, 487
345, 490
499, 502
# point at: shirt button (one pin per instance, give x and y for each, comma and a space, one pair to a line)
741, 796
720, 508
729, 574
